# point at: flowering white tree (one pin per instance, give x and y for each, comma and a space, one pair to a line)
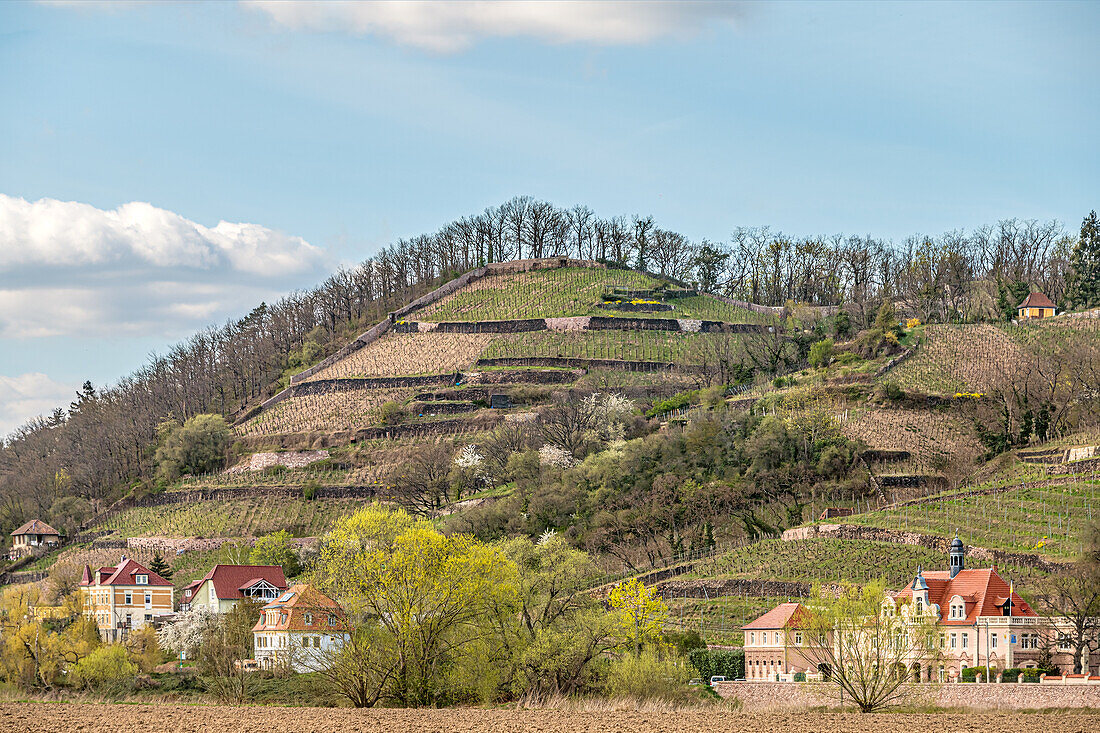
185, 634
552, 455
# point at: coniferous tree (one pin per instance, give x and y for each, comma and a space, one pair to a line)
160, 567
1084, 284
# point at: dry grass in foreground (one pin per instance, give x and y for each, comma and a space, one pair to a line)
23, 717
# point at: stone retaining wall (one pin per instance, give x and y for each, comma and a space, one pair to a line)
581, 323
755, 696
570, 362
290, 459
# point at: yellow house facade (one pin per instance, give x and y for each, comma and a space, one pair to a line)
1036, 305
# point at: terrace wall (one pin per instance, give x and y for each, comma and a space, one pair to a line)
575, 362
1005, 696
581, 323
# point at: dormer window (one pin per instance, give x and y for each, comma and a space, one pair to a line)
309, 618
141, 579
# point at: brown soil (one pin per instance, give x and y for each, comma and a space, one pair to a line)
20, 717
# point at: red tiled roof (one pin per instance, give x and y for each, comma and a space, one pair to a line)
983, 591
293, 605
777, 618
1036, 300
123, 574
35, 526
230, 580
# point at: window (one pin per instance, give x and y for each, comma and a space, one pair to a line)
752, 637
966, 640
332, 621
954, 640
129, 598
141, 579
920, 606
1065, 643
777, 638
148, 598
309, 618
213, 595
993, 641
129, 619
798, 638
148, 617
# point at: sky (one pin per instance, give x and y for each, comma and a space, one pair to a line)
165, 167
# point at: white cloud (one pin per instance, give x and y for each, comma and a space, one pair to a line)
27, 395
444, 26
68, 268
67, 233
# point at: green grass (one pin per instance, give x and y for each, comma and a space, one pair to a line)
235, 518
569, 291
1047, 521
660, 346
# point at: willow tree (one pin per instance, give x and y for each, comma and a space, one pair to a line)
415, 600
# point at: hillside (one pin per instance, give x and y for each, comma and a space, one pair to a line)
513, 400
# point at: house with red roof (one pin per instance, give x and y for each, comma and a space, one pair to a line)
981, 621
125, 597
1036, 305
774, 644
32, 536
222, 587
300, 630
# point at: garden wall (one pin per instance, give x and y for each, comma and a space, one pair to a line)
756, 696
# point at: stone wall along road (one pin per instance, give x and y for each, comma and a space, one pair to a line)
763, 696
24, 717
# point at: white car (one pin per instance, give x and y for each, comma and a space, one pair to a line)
717, 678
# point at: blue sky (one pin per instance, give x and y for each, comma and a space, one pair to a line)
333, 129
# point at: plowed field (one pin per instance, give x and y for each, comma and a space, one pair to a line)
26, 717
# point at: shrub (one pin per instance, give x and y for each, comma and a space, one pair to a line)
799, 676
729, 663
277, 470
309, 490
108, 665
391, 413
675, 402
821, 353
970, 674
648, 677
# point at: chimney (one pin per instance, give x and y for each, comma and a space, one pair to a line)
958, 555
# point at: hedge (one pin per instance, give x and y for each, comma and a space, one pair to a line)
728, 663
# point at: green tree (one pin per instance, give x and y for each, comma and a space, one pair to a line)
1083, 289
821, 353
160, 567
199, 445
709, 263
276, 549
426, 594
641, 613
866, 642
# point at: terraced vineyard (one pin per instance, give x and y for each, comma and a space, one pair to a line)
1044, 520
568, 291
402, 354
661, 346
826, 560
234, 518
344, 410
976, 357
933, 437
